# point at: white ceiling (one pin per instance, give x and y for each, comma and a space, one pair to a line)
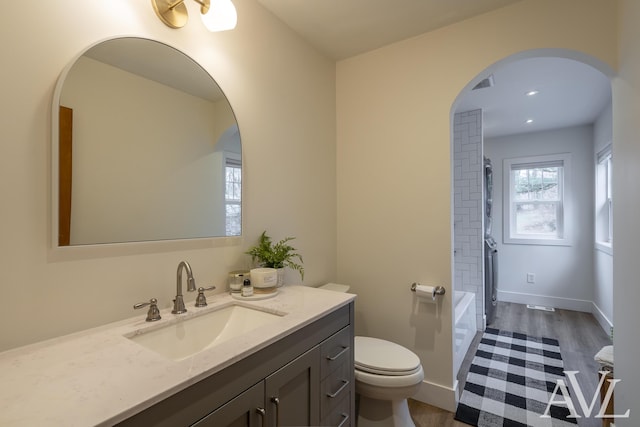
344, 28
159, 62
571, 93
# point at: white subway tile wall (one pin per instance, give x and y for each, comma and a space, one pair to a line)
467, 207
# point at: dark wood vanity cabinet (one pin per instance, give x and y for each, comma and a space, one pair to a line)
292, 392
337, 387
304, 379
245, 410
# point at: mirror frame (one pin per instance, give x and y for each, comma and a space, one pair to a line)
125, 247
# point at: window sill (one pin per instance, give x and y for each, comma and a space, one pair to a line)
605, 247
536, 241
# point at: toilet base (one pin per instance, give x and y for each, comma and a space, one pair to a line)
383, 413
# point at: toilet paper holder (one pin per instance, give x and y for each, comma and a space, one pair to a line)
439, 290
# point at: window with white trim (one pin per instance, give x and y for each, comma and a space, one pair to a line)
604, 199
233, 195
535, 203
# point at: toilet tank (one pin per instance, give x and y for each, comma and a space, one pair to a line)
335, 287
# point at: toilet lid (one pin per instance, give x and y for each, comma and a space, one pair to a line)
384, 357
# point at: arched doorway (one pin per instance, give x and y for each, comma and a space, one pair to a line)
557, 275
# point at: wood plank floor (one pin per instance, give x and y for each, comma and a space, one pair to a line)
580, 337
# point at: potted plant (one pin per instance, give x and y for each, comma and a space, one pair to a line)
276, 255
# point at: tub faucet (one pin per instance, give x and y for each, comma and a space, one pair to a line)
178, 303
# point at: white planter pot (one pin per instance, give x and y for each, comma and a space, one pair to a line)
280, 277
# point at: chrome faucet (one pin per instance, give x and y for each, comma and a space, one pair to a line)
178, 303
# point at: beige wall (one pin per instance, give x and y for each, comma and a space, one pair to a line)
393, 110
393, 142
626, 233
270, 77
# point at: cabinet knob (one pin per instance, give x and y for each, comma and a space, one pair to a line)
345, 383
276, 402
343, 351
262, 413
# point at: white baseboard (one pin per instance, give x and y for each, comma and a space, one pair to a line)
438, 395
604, 322
558, 302
548, 301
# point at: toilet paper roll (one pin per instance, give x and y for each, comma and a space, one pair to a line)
426, 293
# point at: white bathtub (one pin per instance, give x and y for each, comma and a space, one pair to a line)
464, 304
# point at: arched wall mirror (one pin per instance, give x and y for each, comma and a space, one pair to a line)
145, 147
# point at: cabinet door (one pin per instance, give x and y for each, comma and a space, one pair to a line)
293, 392
245, 410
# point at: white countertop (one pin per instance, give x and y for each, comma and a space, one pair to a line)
99, 377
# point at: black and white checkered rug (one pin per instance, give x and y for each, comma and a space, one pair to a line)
511, 381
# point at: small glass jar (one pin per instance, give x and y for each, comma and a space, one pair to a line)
236, 279
247, 289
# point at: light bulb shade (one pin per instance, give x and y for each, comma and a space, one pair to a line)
221, 16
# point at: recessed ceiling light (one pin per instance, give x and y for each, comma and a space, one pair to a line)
529, 121
532, 92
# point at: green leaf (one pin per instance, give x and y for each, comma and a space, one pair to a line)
276, 255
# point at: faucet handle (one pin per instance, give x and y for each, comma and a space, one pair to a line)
201, 300
153, 314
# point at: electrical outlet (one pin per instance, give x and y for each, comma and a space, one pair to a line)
531, 278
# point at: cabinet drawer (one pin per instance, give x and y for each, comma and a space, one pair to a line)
335, 351
340, 416
334, 388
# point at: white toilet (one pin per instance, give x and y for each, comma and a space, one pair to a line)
386, 375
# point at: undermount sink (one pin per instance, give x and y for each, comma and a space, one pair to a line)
186, 337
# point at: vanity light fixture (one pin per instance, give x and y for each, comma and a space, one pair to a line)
217, 15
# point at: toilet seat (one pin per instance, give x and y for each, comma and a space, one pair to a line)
380, 357
386, 375
395, 381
